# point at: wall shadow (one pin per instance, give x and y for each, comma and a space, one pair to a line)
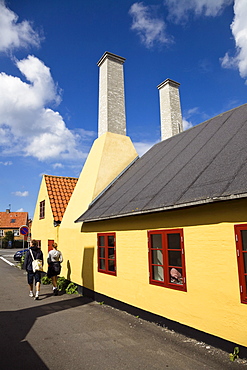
68, 270
87, 272
15, 352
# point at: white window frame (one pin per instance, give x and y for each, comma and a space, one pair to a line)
16, 232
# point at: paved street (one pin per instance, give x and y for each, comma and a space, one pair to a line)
73, 332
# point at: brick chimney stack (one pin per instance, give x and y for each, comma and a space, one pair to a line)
111, 95
170, 109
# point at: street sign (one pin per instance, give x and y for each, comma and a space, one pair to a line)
23, 230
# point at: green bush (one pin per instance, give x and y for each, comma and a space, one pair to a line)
21, 263
62, 283
45, 280
233, 356
71, 289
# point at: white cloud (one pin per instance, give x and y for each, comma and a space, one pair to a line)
187, 124
192, 111
7, 163
150, 28
20, 210
28, 126
239, 31
57, 165
21, 193
84, 134
179, 10
142, 147
13, 34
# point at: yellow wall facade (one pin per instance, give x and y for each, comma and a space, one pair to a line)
212, 301
43, 229
109, 156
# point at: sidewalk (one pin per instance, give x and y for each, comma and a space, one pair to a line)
73, 332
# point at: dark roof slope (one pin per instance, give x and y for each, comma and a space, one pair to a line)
203, 164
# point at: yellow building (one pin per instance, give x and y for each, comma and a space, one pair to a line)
170, 236
12, 221
164, 236
53, 198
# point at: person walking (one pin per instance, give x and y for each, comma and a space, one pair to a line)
54, 261
34, 252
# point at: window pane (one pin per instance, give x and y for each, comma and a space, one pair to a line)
245, 262
244, 239
173, 241
156, 241
111, 265
101, 241
174, 258
42, 209
176, 276
102, 252
110, 252
157, 257
111, 240
158, 273
102, 264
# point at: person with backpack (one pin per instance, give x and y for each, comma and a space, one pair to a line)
54, 261
34, 253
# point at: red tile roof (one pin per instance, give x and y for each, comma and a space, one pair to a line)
13, 220
59, 191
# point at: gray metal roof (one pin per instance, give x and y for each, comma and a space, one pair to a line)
203, 164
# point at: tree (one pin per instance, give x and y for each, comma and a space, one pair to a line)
8, 239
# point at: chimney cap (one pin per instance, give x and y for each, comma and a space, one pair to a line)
168, 81
111, 56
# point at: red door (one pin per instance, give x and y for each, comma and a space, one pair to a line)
50, 242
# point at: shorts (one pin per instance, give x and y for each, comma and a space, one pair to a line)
33, 275
54, 269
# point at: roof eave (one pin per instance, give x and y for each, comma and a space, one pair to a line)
168, 208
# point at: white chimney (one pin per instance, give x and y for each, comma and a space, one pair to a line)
111, 95
170, 109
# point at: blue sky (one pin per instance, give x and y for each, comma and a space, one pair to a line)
49, 77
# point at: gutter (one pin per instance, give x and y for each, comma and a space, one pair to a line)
168, 208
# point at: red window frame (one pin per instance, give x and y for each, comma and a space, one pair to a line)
42, 209
163, 257
107, 253
242, 260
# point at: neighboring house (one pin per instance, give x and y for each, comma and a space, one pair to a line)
12, 221
54, 195
163, 236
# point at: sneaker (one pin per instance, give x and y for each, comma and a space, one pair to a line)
31, 294
36, 297
55, 291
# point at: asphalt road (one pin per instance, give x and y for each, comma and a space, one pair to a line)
73, 332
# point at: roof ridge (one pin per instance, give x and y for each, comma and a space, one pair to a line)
209, 119
64, 177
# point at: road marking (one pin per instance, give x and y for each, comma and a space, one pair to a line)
10, 263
